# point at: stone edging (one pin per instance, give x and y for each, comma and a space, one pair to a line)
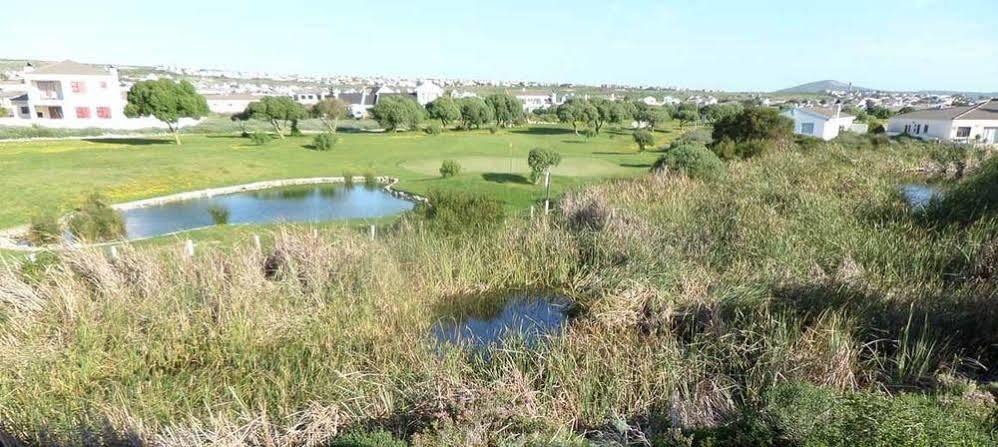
9, 237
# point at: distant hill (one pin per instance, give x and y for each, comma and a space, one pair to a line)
822, 86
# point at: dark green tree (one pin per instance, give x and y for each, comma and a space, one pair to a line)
687, 113
507, 110
541, 161
753, 123
475, 113
166, 101
398, 112
279, 111
715, 112
577, 111
445, 109
644, 139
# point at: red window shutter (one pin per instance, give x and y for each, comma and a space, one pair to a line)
83, 112
104, 112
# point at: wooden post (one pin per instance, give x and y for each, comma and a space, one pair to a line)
189, 248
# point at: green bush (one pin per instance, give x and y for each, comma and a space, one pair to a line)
807, 143
975, 197
370, 180
348, 179
44, 229
456, 211
729, 149
367, 439
695, 136
96, 221
493, 129
540, 160
695, 161
643, 139
325, 141
433, 129
449, 168
260, 138
219, 215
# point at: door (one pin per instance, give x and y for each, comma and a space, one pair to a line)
991, 135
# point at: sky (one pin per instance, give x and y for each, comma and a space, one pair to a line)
734, 45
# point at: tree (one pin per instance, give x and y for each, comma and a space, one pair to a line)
577, 111
166, 101
330, 111
693, 160
607, 112
241, 118
651, 116
688, 112
644, 139
880, 112
445, 109
506, 108
475, 113
449, 168
398, 112
715, 112
540, 161
753, 123
280, 111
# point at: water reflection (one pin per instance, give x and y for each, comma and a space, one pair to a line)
485, 320
920, 195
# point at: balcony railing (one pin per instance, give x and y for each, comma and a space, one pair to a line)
49, 94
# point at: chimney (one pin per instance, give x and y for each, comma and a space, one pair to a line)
28, 68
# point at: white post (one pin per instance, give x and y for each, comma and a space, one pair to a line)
189, 248
547, 198
32, 257
114, 252
531, 212
256, 242
373, 230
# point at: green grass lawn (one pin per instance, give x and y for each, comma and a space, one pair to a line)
42, 176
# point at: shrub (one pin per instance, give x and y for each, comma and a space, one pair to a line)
456, 211
44, 229
807, 143
589, 134
695, 136
96, 221
367, 439
219, 215
695, 161
728, 149
433, 129
878, 129
493, 129
450, 168
370, 180
540, 161
348, 179
643, 139
260, 138
325, 141
753, 123
975, 197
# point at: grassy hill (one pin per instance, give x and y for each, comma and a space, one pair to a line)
821, 87
796, 300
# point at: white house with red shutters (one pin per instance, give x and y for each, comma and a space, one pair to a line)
71, 95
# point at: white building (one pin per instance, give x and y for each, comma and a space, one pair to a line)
74, 96
229, 104
537, 100
971, 124
427, 92
309, 99
820, 122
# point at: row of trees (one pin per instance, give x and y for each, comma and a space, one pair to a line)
400, 112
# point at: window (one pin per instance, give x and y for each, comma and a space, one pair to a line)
83, 112
78, 87
963, 132
925, 128
103, 84
907, 128
104, 112
807, 128
25, 110
918, 129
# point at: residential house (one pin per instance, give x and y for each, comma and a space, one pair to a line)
73, 95
969, 124
537, 100
820, 122
427, 92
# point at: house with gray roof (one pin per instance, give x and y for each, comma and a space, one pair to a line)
968, 124
821, 122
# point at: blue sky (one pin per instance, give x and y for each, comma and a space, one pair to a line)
720, 44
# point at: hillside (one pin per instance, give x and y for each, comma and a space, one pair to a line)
821, 87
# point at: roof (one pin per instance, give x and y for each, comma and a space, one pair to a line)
827, 112
357, 98
984, 111
71, 68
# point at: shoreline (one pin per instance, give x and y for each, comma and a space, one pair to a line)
9, 237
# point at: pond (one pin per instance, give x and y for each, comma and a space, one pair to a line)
920, 195
486, 320
311, 203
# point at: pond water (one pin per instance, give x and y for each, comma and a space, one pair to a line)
482, 321
311, 203
920, 195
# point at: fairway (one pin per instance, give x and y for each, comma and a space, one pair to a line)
54, 176
569, 167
